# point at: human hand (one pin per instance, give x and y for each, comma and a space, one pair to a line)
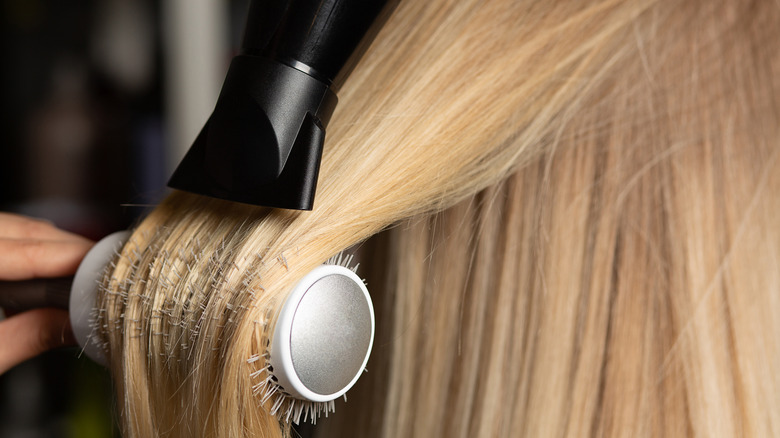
32, 248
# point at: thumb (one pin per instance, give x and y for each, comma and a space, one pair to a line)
31, 333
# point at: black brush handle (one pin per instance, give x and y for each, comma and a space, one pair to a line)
32, 294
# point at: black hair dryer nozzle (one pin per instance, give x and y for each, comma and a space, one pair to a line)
263, 143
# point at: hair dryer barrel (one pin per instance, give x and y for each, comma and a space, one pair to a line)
323, 38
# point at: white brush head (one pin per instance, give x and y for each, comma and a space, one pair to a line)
84, 291
323, 335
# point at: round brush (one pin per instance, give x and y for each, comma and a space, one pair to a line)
321, 341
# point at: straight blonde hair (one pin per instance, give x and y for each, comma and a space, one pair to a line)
588, 239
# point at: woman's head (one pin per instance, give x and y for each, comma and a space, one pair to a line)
591, 250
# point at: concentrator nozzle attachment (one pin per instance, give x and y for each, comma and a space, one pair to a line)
263, 143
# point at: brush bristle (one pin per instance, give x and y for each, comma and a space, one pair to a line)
283, 405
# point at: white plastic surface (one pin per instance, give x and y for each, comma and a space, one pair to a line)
84, 291
281, 357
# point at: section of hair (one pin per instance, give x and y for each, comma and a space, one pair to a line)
619, 283
623, 284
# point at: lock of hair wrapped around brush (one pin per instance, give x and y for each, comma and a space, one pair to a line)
178, 303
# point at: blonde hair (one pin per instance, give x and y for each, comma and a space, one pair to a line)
593, 246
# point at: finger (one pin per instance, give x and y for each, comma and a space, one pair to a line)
21, 227
22, 259
29, 334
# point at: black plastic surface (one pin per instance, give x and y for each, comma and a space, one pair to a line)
37, 293
320, 34
263, 143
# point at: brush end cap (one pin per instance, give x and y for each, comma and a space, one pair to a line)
324, 335
84, 292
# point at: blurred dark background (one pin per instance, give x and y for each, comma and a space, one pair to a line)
100, 99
